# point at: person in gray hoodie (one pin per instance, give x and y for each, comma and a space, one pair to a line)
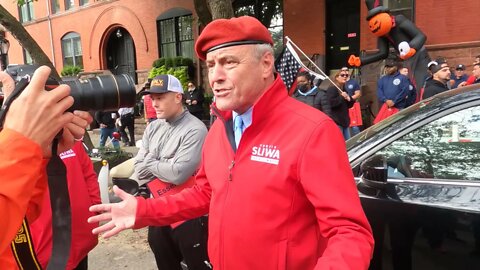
167, 160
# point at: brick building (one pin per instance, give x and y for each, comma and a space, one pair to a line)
127, 35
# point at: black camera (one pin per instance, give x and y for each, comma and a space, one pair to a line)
104, 92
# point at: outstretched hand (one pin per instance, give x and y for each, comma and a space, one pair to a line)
118, 216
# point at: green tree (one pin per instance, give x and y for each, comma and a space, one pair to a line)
265, 11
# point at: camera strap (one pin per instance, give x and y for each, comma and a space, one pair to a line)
23, 250
22, 245
61, 211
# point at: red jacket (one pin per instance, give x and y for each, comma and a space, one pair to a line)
84, 192
23, 180
285, 200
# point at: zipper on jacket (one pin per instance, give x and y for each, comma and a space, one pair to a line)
230, 170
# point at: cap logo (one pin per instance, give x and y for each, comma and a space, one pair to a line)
157, 82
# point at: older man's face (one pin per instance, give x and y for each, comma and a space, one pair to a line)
238, 77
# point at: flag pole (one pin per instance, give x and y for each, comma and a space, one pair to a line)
313, 63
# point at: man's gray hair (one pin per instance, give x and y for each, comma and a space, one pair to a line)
261, 49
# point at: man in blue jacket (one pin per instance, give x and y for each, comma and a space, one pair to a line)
392, 88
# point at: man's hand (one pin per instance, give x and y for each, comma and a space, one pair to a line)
74, 130
119, 216
346, 96
354, 61
390, 103
462, 84
39, 114
8, 84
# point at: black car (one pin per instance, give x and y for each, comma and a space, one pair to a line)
418, 176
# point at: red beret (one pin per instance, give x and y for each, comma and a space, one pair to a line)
223, 33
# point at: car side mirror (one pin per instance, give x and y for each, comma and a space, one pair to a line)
375, 172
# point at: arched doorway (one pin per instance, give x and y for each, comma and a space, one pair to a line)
120, 52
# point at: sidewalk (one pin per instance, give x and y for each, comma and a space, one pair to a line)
129, 249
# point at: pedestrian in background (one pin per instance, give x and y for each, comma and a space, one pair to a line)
440, 78
340, 102
194, 100
306, 92
412, 91
167, 159
106, 120
150, 114
459, 77
353, 89
127, 121
393, 87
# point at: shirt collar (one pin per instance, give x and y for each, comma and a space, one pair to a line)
177, 118
246, 117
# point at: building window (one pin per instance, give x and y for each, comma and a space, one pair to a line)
27, 59
176, 37
26, 11
404, 7
55, 6
72, 50
83, 2
69, 4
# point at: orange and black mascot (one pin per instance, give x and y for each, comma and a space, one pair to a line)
402, 34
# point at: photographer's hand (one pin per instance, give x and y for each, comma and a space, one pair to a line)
74, 130
39, 114
8, 84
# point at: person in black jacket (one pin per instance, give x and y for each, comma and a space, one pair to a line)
305, 92
440, 76
339, 103
194, 100
106, 119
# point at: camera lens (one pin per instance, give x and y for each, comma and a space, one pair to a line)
104, 92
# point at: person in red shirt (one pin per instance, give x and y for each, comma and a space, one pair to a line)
31, 123
149, 110
84, 192
274, 176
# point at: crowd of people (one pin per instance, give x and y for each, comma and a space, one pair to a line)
395, 90
255, 177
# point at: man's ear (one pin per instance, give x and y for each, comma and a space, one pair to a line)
178, 98
267, 62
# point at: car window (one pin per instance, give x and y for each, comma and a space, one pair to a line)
447, 148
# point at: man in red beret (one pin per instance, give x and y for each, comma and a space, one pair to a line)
274, 178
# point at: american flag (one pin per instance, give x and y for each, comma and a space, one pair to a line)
287, 65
